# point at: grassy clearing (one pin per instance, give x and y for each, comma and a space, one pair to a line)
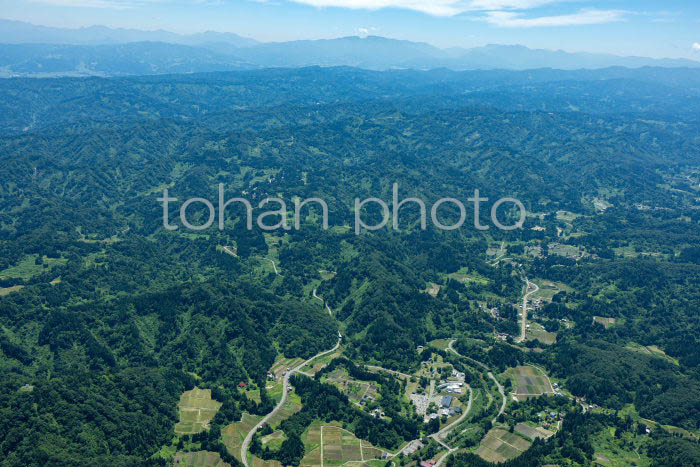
537, 332
8, 290
317, 364
28, 267
465, 276
650, 350
196, 408
199, 459
439, 343
606, 322
618, 452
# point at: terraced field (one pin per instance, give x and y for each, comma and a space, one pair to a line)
197, 408
199, 459
333, 445
234, 434
500, 445
529, 382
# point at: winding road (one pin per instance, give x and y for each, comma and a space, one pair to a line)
328, 309
285, 390
523, 322
490, 375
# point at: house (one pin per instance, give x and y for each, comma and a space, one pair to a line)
242, 384
427, 464
446, 401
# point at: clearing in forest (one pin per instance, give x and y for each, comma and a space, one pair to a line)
197, 408
234, 434
199, 459
333, 445
529, 382
500, 445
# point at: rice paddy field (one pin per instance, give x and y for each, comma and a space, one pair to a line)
196, 408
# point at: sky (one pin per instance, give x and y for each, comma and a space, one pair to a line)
624, 27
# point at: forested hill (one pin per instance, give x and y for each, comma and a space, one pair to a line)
107, 316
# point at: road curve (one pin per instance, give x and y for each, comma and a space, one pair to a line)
523, 322
490, 375
285, 386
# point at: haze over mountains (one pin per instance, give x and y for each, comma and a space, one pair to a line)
30, 50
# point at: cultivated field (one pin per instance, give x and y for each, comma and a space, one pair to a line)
199, 459
539, 333
281, 365
499, 446
529, 382
291, 406
317, 364
606, 322
533, 432
234, 434
332, 445
352, 388
196, 411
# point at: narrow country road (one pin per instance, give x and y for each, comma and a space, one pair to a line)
445, 431
285, 389
490, 375
274, 266
523, 322
328, 309
393, 372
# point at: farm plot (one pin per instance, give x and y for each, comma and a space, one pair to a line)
317, 364
291, 406
332, 445
355, 390
196, 408
234, 434
199, 459
529, 382
499, 446
281, 365
606, 322
539, 333
533, 432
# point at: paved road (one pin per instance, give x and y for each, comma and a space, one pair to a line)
490, 375
523, 322
445, 431
230, 251
285, 386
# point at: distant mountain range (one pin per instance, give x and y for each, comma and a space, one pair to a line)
30, 50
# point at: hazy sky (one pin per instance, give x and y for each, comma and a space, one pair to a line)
631, 27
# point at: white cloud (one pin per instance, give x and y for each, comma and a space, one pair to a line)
510, 19
432, 7
117, 4
696, 46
